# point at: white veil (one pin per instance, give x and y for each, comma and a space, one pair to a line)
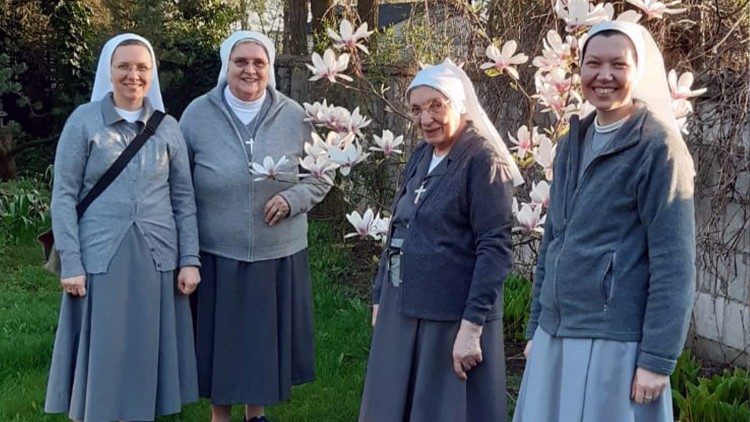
103, 79
229, 43
453, 82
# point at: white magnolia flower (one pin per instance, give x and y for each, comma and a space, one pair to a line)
525, 140
680, 87
319, 167
317, 112
681, 108
362, 223
656, 9
329, 66
580, 14
379, 227
357, 122
551, 97
629, 16
505, 59
514, 207
544, 155
559, 79
540, 194
348, 38
556, 53
387, 144
530, 219
337, 140
347, 157
317, 147
269, 169
338, 119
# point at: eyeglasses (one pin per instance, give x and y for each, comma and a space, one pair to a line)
434, 108
244, 63
123, 68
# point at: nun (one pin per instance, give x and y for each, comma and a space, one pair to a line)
437, 345
253, 310
615, 278
124, 343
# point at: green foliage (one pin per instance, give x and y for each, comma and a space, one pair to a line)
517, 304
723, 397
24, 208
9, 81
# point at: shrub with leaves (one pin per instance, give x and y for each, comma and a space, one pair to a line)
24, 208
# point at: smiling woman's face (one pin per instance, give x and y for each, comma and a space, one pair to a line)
247, 71
131, 75
608, 74
436, 118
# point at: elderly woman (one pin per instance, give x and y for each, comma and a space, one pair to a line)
615, 277
123, 349
437, 346
253, 311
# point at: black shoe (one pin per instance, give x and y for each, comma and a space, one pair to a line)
257, 419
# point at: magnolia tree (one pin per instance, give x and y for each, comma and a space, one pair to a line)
339, 143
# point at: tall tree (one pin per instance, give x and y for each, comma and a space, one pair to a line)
368, 12
295, 18
321, 10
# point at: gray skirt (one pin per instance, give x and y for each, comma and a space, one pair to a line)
254, 328
124, 351
410, 371
589, 380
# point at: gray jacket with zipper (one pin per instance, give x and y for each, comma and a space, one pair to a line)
230, 201
617, 259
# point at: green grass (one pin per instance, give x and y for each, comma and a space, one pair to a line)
30, 300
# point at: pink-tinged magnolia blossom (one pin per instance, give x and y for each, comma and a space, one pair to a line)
655, 9
629, 16
530, 219
362, 223
318, 166
550, 96
524, 141
347, 157
514, 207
317, 112
348, 38
544, 155
540, 194
329, 66
504, 60
559, 79
680, 87
387, 144
317, 146
269, 169
682, 108
556, 53
357, 122
379, 227
581, 14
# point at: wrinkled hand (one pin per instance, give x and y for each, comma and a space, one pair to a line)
276, 209
527, 349
76, 286
188, 279
374, 314
647, 386
467, 351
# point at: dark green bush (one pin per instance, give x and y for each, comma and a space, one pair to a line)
24, 209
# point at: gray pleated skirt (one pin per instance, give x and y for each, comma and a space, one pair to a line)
588, 380
410, 371
254, 328
124, 351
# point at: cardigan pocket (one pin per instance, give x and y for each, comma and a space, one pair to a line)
607, 282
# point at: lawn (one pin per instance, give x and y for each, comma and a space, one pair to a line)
30, 299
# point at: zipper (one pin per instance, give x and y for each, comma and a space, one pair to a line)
252, 185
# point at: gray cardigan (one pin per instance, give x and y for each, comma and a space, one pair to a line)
230, 201
154, 191
457, 248
617, 259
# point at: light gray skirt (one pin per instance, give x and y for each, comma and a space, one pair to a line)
254, 328
410, 371
588, 380
124, 351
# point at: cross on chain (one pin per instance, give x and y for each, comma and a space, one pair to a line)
419, 193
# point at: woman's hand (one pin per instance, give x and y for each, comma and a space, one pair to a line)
374, 314
276, 209
188, 279
527, 349
647, 386
76, 286
467, 351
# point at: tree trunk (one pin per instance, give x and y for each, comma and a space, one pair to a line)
8, 169
295, 18
321, 9
368, 12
